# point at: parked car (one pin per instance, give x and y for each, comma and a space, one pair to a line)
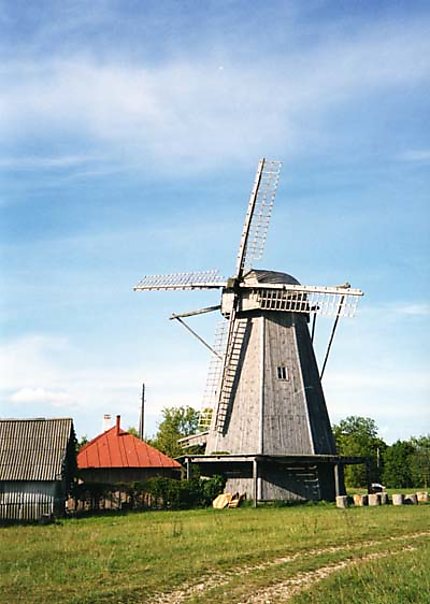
376, 487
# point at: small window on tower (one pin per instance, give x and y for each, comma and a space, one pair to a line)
282, 373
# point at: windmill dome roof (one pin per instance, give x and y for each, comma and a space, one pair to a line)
263, 276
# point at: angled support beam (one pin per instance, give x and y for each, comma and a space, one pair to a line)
336, 321
196, 335
314, 320
192, 313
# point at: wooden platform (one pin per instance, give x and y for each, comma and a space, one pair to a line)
291, 477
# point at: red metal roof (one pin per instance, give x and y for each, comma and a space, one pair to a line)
116, 448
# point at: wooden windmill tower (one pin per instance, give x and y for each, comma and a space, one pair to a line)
266, 426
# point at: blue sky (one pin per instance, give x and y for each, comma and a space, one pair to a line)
129, 137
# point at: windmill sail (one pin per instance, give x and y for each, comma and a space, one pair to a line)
304, 299
214, 376
258, 214
195, 280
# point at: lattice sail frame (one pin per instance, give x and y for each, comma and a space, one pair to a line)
262, 212
173, 281
258, 214
214, 377
327, 301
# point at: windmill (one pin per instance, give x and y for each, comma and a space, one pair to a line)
266, 425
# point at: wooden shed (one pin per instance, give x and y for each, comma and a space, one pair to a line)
37, 466
116, 456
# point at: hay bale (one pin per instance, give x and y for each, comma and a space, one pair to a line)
342, 501
398, 499
411, 499
423, 497
374, 499
361, 500
384, 498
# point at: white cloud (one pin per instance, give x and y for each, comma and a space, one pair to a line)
192, 110
42, 375
41, 395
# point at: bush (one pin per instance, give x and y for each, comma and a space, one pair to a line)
155, 493
168, 493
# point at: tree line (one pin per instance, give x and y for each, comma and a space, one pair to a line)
403, 464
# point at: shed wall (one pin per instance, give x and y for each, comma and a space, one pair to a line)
30, 500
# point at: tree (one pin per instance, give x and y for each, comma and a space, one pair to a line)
80, 443
420, 461
358, 436
397, 465
177, 422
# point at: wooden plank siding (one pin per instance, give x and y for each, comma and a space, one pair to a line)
243, 421
285, 416
277, 409
322, 436
273, 416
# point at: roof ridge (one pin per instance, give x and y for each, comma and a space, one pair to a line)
98, 437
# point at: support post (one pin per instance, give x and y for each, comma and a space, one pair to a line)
255, 480
339, 478
142, 415
188, 467
368, 478
336, 480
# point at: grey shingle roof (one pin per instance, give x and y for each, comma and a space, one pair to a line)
33, 449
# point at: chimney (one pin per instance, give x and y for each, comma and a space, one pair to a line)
118, 422
106, 422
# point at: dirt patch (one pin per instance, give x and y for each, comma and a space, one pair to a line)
282, 592
288, 588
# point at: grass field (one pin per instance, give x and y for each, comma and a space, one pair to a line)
309, 554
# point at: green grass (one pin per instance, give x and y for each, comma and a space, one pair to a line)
403, 578
130, 559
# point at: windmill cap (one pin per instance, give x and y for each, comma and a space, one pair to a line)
263, 276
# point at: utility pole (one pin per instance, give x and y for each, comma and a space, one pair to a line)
142, 414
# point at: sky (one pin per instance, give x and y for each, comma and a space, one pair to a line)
129, 137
